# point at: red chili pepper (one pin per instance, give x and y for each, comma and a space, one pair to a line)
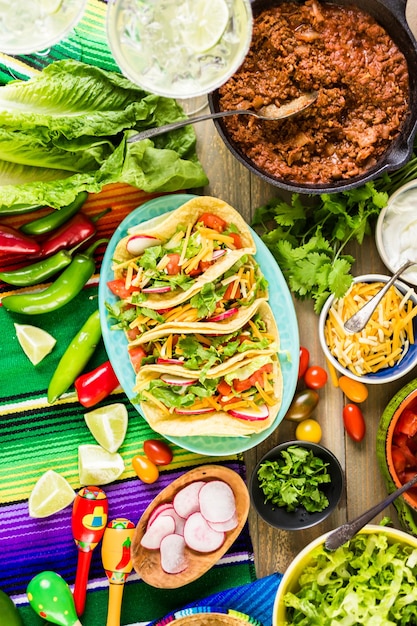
96, 385
125, 554
14, 242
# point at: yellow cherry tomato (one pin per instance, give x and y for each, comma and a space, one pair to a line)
308, 430
145, 469
353, 389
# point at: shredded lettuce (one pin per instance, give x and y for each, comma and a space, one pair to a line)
69, 124
368, 581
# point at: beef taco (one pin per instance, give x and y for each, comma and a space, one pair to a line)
189, 351
243, 400
168, 262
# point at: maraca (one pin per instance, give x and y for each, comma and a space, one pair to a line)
51, 598
89, 518
115, 554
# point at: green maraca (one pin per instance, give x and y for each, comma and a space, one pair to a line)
51, 598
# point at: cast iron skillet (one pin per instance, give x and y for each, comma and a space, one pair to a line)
391, 15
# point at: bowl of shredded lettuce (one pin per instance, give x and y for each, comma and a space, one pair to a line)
371, 580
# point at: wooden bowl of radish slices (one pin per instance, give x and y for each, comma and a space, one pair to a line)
189, 526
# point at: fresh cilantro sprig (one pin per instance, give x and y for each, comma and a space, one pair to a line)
308, 238
294, 480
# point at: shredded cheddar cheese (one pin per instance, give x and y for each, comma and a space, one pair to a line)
384, 340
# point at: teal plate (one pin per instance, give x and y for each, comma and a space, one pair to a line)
279, 299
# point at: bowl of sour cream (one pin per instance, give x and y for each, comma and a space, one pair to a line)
396, 231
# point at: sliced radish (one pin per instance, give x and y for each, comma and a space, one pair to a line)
162, 526
186, 499
199, 536
163, 289
164, 506
162, 361
137, 244
217, 254
261, 413
179, 521
229, 524
217, 501
180, 381
207, 409
223, 316
173, 558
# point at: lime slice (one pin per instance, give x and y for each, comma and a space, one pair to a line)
50, 6
97, 466
51, 493
108, 425
36, 342
209, 20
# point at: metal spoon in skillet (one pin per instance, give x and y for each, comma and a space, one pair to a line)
271, 112
346, 531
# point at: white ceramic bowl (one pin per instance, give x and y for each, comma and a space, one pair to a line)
387, 374
396, 231
291, 576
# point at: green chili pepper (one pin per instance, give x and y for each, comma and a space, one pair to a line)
75, 357
37, 272
53, 220
60, 292
19, 209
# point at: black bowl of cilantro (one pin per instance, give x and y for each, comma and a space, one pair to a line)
296, 485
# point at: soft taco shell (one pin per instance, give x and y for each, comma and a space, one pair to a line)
164, 230
218, 423
259, 306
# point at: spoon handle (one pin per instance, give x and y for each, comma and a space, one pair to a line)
359, 320
346, 531
160, 130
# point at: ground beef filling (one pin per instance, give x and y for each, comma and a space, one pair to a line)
361, 77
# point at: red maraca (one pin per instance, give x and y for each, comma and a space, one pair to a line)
89, 518
115, 554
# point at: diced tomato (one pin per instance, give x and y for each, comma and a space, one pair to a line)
224, 388
405, 477
231, 290
237, 240
132, 333
117, 286
398, 460
136, 354
213, 221
256, 377
407, 424
410, 458
173, 267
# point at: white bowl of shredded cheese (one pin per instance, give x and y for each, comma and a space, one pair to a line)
386, 349
396, 231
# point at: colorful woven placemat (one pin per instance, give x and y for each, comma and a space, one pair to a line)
36, 436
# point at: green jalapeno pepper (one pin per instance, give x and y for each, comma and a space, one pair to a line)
75, 357
37, 272
60, 292
19, 209
53, 220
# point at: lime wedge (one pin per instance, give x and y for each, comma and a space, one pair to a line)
50, 6
97, 466
108, 425
36, 342
51, 493
209, 20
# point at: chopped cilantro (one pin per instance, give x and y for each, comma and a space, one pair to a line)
294, 480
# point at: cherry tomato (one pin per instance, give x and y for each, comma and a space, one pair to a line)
353, 389
315, 377
303, 362
145, 469
302, 406
213, 221
354, 422
157, 451
308, 430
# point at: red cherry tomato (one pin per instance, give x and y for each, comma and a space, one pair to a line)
157, 451
354, 422
315, 377
303, 362
145, 469
353, 389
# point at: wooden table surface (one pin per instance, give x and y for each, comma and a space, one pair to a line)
274, 549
